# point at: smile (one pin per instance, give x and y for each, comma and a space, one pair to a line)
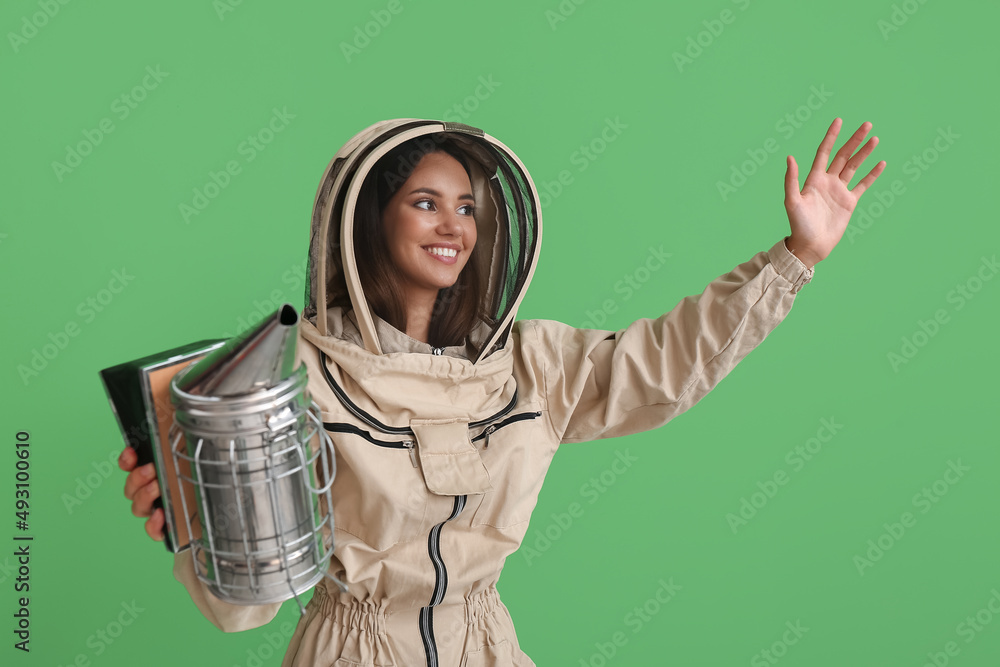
446, 255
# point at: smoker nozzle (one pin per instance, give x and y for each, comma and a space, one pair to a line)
259, 358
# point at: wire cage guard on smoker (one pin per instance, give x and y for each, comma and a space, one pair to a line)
260, 467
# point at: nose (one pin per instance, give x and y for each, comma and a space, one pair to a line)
450, 224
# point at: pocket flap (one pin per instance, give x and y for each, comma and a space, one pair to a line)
451, 463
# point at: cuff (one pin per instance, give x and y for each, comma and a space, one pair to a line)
223, 615
789, 266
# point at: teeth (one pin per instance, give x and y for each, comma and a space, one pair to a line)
444, 252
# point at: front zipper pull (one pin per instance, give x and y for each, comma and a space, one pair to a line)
488, 431
413, 453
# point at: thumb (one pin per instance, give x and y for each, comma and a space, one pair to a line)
791, 179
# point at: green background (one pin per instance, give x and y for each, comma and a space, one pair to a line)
554, 85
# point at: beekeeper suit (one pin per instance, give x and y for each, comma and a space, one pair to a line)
441, 452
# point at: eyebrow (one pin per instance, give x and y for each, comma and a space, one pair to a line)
431, 191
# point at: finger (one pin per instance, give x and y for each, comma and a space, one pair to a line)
867, 181
154, 525
791, 179
127, 459
825, 146
845, 152
142, 503
138, 478
852, 165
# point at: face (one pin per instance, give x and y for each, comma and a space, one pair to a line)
430, 226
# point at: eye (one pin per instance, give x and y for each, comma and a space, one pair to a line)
470, 209
423, 201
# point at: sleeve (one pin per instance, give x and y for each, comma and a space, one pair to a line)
223, 615
605, 384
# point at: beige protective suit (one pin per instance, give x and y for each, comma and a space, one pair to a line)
441, 452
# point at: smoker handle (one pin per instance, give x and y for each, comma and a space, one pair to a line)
326, 442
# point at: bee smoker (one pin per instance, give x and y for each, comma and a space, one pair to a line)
249, 445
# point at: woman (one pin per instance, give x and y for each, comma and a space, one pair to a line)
446, 412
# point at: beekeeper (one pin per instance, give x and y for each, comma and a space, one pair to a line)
445, 411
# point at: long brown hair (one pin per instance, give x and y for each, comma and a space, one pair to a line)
457, 309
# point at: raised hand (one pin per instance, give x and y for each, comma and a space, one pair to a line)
819, 213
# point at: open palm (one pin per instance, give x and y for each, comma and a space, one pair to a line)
819, 213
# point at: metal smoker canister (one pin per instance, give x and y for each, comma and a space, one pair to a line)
253, 439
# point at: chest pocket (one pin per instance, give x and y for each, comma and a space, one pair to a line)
450, 462
517, 454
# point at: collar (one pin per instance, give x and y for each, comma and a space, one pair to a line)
391, 338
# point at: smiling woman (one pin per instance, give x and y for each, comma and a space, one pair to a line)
445, 411
421, 234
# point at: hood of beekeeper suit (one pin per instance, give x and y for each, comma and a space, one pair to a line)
508, 224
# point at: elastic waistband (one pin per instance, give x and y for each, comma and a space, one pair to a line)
351, 612
371, 616
481, 605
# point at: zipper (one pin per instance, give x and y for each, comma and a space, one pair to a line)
392, 444
492, 428
426, 620
488, 432
340, 427
409, 444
